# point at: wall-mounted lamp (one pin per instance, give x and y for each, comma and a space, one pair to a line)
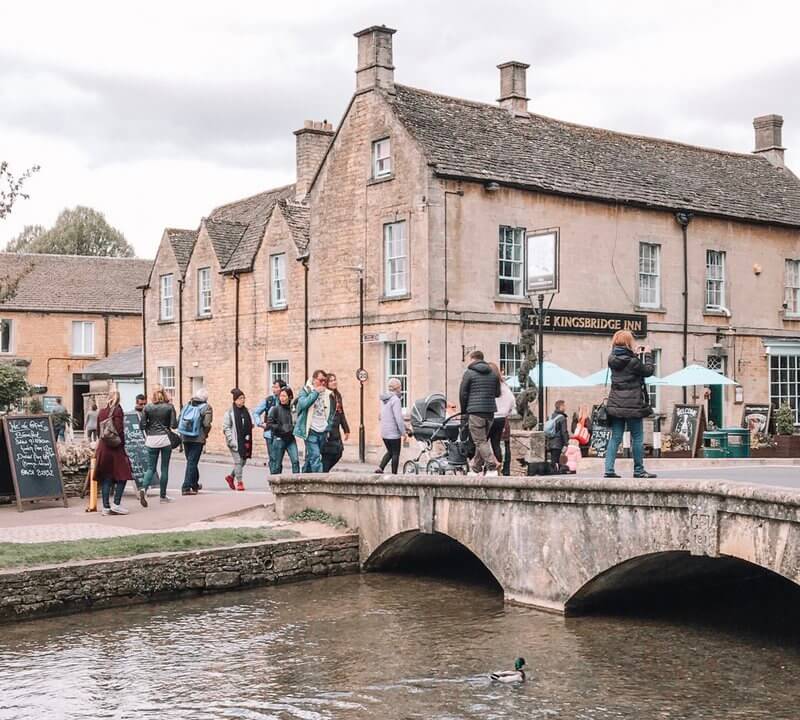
492, 187
756, 269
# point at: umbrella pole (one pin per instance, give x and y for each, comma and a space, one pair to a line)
541, 361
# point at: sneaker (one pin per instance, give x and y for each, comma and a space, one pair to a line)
143, 497
491, 473
188, 491
165, 499
644, 475
229, 480
240, 486
199, 487
612, 475
119, 510
377, 471
106, 511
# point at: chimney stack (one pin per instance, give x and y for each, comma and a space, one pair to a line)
768, 138
513, 84
312, 142
375, 69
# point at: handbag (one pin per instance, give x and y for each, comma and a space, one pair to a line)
108, 433
600, 413
582, 434
174, 439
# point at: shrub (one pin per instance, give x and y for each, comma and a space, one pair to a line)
784, 420
13, 387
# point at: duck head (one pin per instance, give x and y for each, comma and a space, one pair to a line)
519, 663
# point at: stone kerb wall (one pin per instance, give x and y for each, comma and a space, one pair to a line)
75, 587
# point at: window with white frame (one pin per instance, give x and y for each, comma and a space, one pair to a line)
381, 158
166, 378
82, 338
167, 297
655, 395
277, 265
278, 370
715, 279
649, 275
510, 362
6, 336
395, 250
792, 287
204, 292
397, 367
784, 382
510, 261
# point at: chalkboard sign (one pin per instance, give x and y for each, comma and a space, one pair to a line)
135, 447
599, 440
688, 425
756, 418
30, 460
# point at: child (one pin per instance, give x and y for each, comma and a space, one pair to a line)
573, 452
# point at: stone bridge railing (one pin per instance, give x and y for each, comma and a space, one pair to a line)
559, 543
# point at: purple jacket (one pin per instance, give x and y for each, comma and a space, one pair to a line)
392, 425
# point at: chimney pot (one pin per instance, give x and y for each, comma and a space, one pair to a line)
311, 143
768, 138
375, 68
513, 87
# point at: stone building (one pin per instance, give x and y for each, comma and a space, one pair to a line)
431, 198
61, 313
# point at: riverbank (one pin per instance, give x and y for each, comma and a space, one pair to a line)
88, 585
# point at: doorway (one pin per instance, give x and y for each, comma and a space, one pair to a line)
79, 389
716, 399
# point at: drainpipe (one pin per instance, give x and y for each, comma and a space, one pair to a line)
305, 317
180, 342
460, 193
105, 331
236, 335
144, 339
684, 218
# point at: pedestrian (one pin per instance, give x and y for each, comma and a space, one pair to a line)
556, 435
315, 409
480, 388
112, 465
194, 425
505, 405
281, 425
628, 401
340, 431
393, 426
237, 426
261, 413
573, 453
60, 416
90, 424
158, 422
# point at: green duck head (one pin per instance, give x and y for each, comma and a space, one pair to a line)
519, 663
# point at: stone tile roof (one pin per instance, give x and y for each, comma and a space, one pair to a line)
72, 283
225, 237
182, 242
127, 363
484, 142
298, 218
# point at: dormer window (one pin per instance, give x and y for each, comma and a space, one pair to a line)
381, 158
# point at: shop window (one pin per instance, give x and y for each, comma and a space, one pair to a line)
715, 279
784, 382
395, 249
510, 261
381, 158
649, 275
397, 367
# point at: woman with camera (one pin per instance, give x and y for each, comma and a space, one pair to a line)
628, 402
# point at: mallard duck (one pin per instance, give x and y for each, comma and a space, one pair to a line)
511, 676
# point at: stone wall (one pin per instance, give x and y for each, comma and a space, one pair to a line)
75, 587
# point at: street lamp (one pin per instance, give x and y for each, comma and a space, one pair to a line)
361, 373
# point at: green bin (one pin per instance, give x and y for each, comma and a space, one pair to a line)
738, 442
715, 444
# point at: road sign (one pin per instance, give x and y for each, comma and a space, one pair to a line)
362, 375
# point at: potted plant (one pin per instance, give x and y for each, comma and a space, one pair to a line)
786, 442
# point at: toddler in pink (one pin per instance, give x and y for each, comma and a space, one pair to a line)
573, 453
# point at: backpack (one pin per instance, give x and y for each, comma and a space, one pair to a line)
551, 427
108, 433
191, 420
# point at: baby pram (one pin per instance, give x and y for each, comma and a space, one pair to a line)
429, 425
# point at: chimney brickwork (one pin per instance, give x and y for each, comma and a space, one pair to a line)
375, 68
768, 138
312, 141
513, 87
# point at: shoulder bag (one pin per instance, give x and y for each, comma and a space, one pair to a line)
108, 432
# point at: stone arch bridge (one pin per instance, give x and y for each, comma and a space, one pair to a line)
562, 544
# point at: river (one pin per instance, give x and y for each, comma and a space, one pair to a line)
393, 647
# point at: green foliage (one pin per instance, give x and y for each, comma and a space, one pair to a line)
80, 231
11, 187
52, 553
312, 515
35, 406
784, 420
13, 386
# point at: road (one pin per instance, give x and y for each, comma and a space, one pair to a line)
212, 476
778, 475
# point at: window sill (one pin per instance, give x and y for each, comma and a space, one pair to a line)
381, 179
515, 299
644, 309
393, 298
791, 317
278, 308
80, 356
204, 317
166, 322
713, 312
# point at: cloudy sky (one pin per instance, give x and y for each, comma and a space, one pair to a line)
155, 112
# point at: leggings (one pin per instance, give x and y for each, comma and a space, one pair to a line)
392, 453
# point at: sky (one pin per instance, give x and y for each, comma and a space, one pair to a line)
155, 113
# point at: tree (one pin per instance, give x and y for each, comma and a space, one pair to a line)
11, 187
13, 386
80, 231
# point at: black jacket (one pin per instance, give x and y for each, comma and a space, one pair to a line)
479, 388
338, 424
157, 417
280, 421
562, 435
628, 397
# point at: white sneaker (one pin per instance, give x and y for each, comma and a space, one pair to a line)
491, 473
105, 511
165, 499
118, 510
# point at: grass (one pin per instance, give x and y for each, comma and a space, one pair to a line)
52, 553
310, 514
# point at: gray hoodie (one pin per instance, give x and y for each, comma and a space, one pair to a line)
393, 426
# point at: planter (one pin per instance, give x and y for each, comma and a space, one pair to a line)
763, 452
788, 446
73, 481
678, 454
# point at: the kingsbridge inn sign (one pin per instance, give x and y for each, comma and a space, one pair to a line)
584, 322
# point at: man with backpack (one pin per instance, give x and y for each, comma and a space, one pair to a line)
556, 434
194, 425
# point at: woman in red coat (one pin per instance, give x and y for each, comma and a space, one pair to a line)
113, 466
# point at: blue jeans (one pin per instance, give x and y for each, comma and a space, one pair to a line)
314, 443
270, 441
279, 447
193, 451
105, 489
153, 454
636, 427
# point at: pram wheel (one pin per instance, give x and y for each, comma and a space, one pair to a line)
410, 467
434, 468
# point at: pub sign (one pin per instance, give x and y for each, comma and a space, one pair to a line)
584, 322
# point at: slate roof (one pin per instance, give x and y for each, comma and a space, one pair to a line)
225, 237
72, 283
182, 242
476, 141
298, 218
127, 363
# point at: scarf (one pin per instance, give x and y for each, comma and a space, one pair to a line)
244, 431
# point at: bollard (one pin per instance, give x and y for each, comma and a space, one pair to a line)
656, 437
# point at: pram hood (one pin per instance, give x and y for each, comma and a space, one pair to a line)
429, 410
